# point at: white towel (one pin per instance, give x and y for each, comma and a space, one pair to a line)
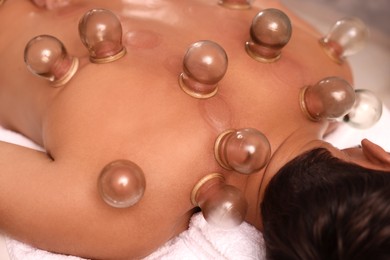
20, 251
203, 242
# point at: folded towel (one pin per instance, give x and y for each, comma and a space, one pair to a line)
21, 251
204, 241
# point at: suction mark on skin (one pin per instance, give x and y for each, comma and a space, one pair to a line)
174, 64
142, 39
216, 112
288, 71
51, 4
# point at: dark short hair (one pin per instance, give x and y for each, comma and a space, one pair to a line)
320, 207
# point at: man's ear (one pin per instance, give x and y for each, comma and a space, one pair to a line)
375, 153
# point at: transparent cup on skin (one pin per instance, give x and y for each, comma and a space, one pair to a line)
222, 205
366, 111
204, 65
270, 31
46, 56
331, 98
244, 150
121, 184
347, 37
101, 32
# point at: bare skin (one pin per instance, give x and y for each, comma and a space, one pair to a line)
134, 109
